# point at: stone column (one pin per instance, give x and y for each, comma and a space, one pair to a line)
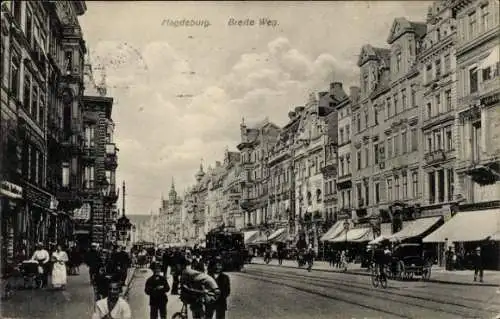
436, 185
445, 175
484, 126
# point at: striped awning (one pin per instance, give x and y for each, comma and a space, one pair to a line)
468, 227
356, 235
248, 235
279, 236
334, 231
415, 228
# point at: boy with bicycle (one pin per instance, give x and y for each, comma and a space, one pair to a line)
197, 290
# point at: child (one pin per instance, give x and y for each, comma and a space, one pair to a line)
157, 288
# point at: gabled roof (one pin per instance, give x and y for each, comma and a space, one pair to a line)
401, 26
369, 52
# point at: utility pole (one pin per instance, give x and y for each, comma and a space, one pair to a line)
123, 198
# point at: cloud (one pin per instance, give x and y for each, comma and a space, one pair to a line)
180, 99
160, 132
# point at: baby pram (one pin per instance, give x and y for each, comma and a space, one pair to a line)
32, 274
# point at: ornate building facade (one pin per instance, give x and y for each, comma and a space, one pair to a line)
308, 160
42, 51
438, 108
171, 217
386, 126
478, 120
215, 197
255, 146
282, 181
99, 162
231, 211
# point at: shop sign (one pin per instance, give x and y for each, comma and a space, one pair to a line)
83, 212
36, 196
11, 190
54, 203
492, 99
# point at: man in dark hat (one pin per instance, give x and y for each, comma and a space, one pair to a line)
478, 265
197, 290
157, 288
222, 280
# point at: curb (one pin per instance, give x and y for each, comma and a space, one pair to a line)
354, 273
129, 280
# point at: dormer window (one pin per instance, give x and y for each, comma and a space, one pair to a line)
398, 61
365, 83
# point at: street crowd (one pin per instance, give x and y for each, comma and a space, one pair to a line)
200, 283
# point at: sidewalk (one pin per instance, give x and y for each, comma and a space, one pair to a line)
76, 301
438, 274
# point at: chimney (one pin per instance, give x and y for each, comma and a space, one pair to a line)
354, 93
335, 86
291, 115
217, 164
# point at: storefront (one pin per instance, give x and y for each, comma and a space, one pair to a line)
468, 230
39, 220
11, 203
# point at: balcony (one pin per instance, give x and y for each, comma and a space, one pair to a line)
111, 196
434, 157
484, 170
248, 203
38, 56
110, 158
89, 153
72, 145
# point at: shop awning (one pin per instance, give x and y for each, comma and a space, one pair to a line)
415, 228
247, 236
467, 227
259, 238
385, 234
334, 231
279, 236
356, 235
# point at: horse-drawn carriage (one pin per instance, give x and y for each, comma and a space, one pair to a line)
409, 260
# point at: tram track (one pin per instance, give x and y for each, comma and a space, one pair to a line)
378, 295
418, 295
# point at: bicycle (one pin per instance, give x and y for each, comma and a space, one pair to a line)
378, 278
183, 314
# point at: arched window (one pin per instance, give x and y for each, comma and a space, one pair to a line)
318, 195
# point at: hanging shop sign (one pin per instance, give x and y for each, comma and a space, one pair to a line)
82, 213
34, 195
11, 190
54, 203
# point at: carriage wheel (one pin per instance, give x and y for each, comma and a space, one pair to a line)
426, 272
401, 272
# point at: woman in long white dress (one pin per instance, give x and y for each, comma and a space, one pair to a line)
59, 275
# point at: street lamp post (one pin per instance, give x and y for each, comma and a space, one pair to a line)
346, 229
105, 190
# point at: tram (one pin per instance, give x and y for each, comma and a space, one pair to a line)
228, 243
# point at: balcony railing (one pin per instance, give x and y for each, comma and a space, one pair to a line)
435, 156
39, 57
111, 149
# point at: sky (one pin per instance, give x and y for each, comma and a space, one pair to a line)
180, 91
